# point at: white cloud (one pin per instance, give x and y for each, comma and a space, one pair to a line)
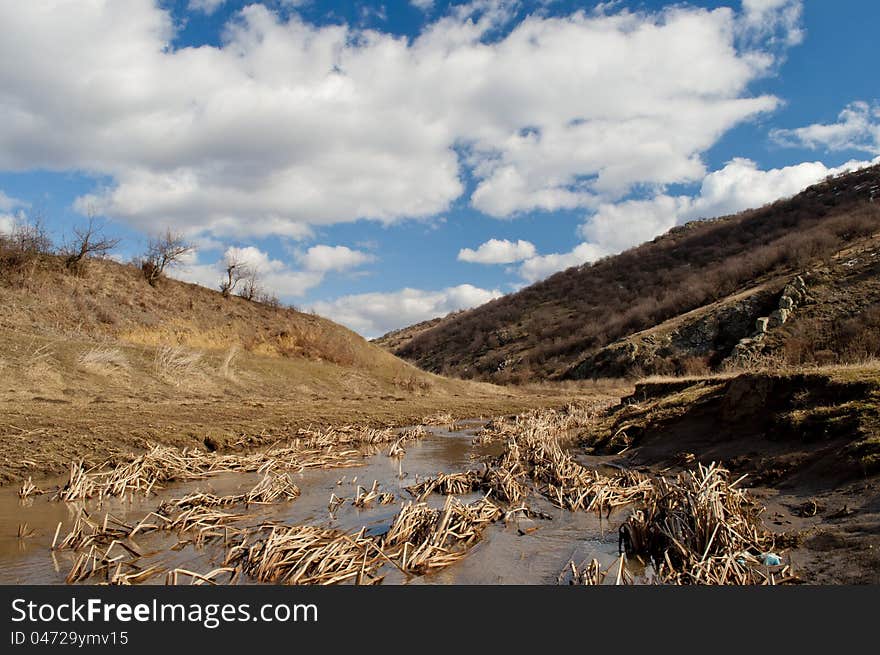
323, 258
7, 223
539, 267
8, 202
857, 128
423, 5
498, 251
288, 125
773, 19
275, 275
205, 6
739, 185
374, 314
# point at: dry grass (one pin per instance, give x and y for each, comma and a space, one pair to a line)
104, 361
174, 364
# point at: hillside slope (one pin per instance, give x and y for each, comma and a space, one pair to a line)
691, 295
103, 363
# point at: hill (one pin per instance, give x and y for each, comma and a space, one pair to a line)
101, 363
688, 301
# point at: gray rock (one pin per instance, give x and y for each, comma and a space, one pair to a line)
761, 325
779, 317
786, 302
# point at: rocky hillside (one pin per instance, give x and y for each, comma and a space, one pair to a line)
764, 283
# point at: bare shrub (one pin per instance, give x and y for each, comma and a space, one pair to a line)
87, 241
21, 248
163, 251
174, 364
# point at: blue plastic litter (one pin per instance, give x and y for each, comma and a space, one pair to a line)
771, 559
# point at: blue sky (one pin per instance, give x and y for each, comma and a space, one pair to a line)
386, 162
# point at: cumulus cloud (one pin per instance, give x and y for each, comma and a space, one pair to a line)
323, 258
740, 185
423, 5
777, 20
374, 314
539, 267
287, 124
8, 202
857, 128
205, 6
498, 251
275, 275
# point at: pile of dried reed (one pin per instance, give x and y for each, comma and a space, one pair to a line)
422, 539
274, 487
449, 484
163, 464
700, 528
536, 454
439, 418
305, 554
98, 562
28, 488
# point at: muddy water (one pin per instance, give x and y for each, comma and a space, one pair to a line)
523, 551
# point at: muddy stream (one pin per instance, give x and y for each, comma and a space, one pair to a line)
522, 551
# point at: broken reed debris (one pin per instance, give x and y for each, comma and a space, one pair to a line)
28, 488
174, 576
440, 419
273, 488
305, 554
366, 497
591, 573
410, 434
422, 539
419, 540
330, 447
700, 528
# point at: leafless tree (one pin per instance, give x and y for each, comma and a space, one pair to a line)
251, 288
236, 271
163, 251
88, 241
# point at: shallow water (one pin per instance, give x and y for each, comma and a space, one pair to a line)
523, 551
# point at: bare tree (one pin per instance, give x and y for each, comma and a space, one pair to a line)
236, 271
88, 241
251, 287
163, 251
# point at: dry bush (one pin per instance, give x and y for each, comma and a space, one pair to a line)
104, 360
174, 363
21, 249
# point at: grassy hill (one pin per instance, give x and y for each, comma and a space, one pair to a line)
101, 362
683, 302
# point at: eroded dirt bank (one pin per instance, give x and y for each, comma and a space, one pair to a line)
808, 443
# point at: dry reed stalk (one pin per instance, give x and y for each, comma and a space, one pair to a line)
365, 497
173, 576
700, 528
28, 488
